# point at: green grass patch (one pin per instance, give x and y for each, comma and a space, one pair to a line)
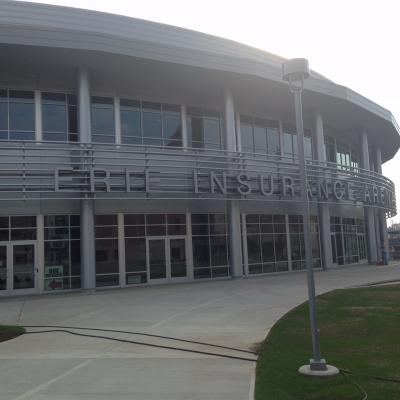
360, 332
8, 332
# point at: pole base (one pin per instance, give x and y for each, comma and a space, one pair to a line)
320, 369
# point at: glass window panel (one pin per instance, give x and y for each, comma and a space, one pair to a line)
134, 231
103, 119
56, 233
135, 253
195, 131
72, 119
57, 254
130, 104
54, 118
106, 220
267, 246
246, 133
56, 220
18, 135
176, 219
53, 98
106, 232
212, 134
21, 96
4, 222
307, 147
172, 130
217, 218
75, 233
75, 257
151, 128
155, 219
287, 144
75, 220
253, 249
23, 234
280, 247
134, 219
130, 123
176, 230
4, 235
149, 106
199, 218
155, 230
273, 141
218, 229
200, 229
106, 256
175, 108
3, 116
260, 140
22, 117
201, 251
23, 222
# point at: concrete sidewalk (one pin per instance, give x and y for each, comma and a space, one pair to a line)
237, 313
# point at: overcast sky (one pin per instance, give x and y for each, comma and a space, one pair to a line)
355, 43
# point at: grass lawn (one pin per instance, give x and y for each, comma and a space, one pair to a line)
360, 332
8, 332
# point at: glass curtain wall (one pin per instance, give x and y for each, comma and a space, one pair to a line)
150, 123
340, 153
297, 247
59, 117
62, 253
17, 115
259, 136
266, 243
290, 143
103, 123
210, 246
137, 228
204, 128
348, 240
267, 246
107, 263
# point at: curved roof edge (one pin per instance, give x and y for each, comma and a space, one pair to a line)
57, 26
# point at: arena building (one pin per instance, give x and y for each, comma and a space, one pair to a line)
136, 153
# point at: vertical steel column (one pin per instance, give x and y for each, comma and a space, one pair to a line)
323, 209
88, 255
384, 241
317, 362
368, 211
235, 237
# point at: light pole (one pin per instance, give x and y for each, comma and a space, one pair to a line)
295, 71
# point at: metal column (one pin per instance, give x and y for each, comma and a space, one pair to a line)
234, 237
368, 211
88, 255
323, 209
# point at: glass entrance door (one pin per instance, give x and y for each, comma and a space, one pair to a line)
166, 259
23, 258
3, 268
17, 268
157, 259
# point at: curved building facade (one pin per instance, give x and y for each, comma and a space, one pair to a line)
135, 153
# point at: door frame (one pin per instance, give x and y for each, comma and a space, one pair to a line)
10, 291
168, 278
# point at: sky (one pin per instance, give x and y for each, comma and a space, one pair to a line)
355, 43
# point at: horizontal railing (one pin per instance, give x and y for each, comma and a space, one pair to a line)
55, 170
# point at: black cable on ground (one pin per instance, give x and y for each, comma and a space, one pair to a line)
359, 387
376, 377
143, 334
144, 344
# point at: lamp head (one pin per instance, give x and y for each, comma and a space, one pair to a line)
295, 70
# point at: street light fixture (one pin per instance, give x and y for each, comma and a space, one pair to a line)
295, 71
